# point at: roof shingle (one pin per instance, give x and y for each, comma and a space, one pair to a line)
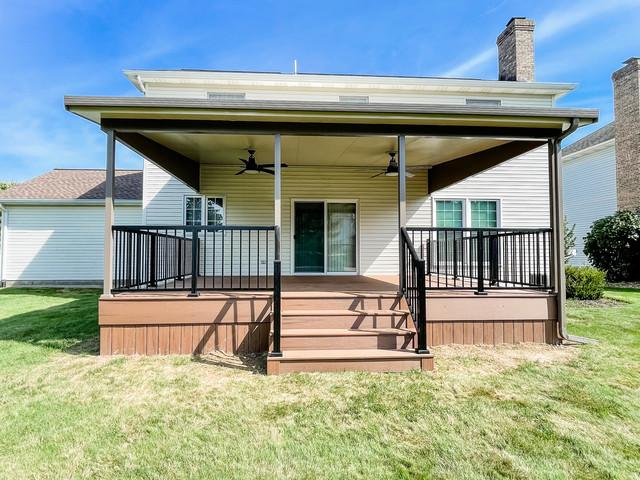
595, 138
76, 184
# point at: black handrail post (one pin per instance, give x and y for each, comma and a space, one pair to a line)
194, 262
153, 259
422, 307
480, 262
277, 295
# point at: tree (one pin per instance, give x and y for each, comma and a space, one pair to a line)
569, 240
613, 245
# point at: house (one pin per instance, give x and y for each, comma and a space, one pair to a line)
601, 172
53, 226
337, 221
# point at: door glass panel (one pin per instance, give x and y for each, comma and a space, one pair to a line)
309, 237
341, 237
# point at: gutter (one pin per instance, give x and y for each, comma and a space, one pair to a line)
555, 150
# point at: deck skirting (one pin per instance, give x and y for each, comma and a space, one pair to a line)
156, 323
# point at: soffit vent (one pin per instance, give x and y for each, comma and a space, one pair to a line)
354, 98
226, 96
486, 102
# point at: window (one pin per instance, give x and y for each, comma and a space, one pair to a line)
486, 102
449, 213
354, 98
225, 96
484, 214
215, 211
195, 212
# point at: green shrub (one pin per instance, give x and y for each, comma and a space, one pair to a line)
584, 283
613, 245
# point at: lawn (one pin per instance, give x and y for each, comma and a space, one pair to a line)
528, 411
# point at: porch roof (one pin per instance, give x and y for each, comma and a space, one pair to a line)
459, 140
105, 110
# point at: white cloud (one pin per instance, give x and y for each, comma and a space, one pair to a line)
553, 24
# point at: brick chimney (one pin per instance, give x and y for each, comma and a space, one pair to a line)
626, 104
515, 51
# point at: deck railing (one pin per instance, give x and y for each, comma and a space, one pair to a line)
484, 258
414, 288
199, 258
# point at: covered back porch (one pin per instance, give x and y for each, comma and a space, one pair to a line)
395, 256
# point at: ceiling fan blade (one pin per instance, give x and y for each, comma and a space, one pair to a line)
378, 174
271, 165
241, 172
243, 161
266, 170
410, 175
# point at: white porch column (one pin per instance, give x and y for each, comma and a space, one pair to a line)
277, 189
108, 212
402, 203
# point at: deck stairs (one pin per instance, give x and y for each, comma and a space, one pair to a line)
339, 331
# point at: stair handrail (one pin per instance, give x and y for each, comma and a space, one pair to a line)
414, 287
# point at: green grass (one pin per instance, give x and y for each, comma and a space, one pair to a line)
509, 412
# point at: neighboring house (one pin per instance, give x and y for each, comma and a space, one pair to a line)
53, 226
601, 172
338, 221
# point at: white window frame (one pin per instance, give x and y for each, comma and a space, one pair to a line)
204, 214
466, 209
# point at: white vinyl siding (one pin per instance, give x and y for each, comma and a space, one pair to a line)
589, 181
520, 186
58, 243
163, 197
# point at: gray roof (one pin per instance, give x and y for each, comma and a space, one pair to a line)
594, 138
76, 184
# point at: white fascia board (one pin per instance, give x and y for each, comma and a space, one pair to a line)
62, 202
212, 79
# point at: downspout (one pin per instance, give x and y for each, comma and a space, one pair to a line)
555, 157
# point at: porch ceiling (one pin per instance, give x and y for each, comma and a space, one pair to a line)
316, 150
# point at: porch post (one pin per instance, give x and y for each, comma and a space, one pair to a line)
402, 204
108, 212
557, 226
277, 187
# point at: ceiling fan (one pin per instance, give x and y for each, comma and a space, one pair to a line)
392, 168
252, 167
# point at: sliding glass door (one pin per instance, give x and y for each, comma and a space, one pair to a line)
341, 237
325, 237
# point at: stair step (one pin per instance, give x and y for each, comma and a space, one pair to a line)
338, 360
345, 339
350, 319
342, 301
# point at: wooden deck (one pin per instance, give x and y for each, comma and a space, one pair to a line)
338, 315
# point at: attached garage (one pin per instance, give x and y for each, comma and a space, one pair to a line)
53, 226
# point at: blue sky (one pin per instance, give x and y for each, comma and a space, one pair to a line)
80, 47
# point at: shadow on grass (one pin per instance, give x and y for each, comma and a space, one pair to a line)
71, 327
252, 363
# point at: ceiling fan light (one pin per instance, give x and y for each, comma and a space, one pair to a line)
251, 172
391, 174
